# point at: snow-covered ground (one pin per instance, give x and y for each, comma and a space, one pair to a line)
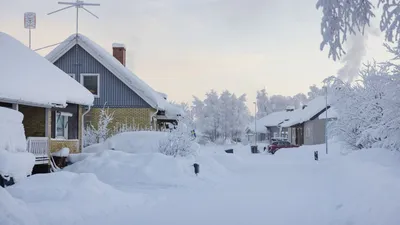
115, 187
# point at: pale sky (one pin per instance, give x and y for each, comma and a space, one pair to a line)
187, 47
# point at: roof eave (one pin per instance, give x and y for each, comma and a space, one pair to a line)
34, 104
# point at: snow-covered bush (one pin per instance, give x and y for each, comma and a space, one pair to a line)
179, 141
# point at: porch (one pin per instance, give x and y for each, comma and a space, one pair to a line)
42, 147
51, 129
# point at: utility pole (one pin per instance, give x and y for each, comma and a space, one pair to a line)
326, 117
255, 123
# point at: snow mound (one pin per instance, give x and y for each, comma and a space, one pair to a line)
14, 160
14, 211
82, 198
136, 142
16, 164
94, 148
64, 152
12, 133
149, 169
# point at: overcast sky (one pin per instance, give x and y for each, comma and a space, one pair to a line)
187, 47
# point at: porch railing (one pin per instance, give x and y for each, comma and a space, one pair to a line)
39, 146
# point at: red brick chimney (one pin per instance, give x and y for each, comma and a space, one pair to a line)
119, 52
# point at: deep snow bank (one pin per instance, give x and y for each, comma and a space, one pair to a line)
132, 142
14, 211
14, 160
69, 198
153, 169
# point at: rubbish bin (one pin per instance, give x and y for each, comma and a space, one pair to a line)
229, 151
254, 149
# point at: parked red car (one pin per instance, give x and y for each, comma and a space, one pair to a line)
276, 145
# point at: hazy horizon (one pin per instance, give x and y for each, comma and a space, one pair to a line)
187, 48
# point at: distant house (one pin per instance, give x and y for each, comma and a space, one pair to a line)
112, 84
307, 125
52, 103
269, 126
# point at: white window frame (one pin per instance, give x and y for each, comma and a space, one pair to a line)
66, 118
72, 75
98, 82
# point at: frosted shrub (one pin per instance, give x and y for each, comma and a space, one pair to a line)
178, 142
94, 135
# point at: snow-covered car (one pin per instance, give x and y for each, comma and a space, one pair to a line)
275, 146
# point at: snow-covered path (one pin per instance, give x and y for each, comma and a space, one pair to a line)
280, 190
286, 188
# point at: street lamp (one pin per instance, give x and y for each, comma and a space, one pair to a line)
255, 123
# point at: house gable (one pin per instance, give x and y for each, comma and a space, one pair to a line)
113, 92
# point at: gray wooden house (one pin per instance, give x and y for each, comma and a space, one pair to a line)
306, 126
113, 85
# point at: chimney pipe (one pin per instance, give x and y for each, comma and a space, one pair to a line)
119, 52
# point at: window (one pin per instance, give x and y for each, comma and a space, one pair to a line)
92, 83
62, 125
72, 75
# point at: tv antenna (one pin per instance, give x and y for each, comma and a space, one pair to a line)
78, 5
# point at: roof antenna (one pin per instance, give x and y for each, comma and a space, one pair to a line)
78, 4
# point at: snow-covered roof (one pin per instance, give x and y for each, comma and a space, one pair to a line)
271, 120
153, 98
118, 45
331, 114
28, 78
314, 107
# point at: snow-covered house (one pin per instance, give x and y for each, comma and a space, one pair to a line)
307, 125
51, 102
112, 84
269, 126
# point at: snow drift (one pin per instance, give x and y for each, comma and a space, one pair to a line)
14, 211
14, 160
131, 142
69, 198
149, 169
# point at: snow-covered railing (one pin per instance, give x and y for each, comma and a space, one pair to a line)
39, 146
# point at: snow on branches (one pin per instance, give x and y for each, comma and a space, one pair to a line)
350, 17
221, 117
368, 110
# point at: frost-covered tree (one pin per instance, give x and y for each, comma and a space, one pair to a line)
226, 107
342, 18
100, 132
263, 104
221, 117
240, 116
368, 110
315, 92
211, 116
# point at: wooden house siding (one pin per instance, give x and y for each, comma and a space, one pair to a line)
113, 92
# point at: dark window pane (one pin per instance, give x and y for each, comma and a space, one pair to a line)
90, 82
